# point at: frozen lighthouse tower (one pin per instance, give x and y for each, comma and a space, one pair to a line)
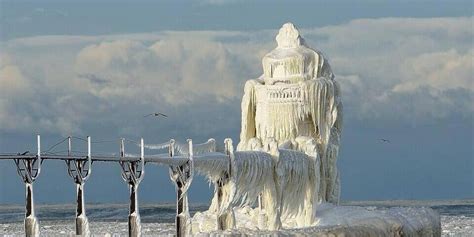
283, 176
296, 102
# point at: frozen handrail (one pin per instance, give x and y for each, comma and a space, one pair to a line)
29, 169
182, 167
80, 170
182, 176
183, 149
157, 146
133, 172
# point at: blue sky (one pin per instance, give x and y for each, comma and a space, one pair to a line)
95, 68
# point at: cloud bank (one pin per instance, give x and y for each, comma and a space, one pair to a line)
390, 69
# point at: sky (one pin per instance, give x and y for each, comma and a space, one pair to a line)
96, 67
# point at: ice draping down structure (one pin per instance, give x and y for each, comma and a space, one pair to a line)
285, 163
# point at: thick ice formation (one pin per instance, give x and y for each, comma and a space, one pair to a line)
334, 221
295, 100
291, 120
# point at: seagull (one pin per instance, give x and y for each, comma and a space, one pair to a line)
384, 140
24, 153
156, 115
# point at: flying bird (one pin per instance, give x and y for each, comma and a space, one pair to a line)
24, 153
384, 140
156, 115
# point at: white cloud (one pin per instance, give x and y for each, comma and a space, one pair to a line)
381, 63
97, 57
12, 81
177, 70
12, 84
413, 67
441, 70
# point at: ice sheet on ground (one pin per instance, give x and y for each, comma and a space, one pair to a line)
350, 220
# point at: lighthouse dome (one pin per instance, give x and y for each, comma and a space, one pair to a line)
291, 61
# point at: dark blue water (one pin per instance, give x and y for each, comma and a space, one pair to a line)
156, 213
455, 210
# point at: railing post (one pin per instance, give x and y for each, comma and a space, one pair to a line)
133, 173
182, 176
82, 223
31, 222
29, 169
180, 219
134, 222
225, 218
80, 170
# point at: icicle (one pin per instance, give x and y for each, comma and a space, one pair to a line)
294, 179
212, 169
253, 172
248, 113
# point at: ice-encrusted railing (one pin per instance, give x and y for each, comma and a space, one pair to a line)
183, 149
79, 167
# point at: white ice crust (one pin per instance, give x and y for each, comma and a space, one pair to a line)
292, 120
297, 103
333, 221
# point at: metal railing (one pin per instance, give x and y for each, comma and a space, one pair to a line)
79, 167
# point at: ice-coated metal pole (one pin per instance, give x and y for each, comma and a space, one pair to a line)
37, 161
88, 147
122, 148
82, 223
69, 146
134, 223
89, 159
142, 149
183, 178
190, 147
80, 170
180, 219
38, 141
31, 222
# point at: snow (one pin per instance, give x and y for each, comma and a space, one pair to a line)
461, 226
106, 229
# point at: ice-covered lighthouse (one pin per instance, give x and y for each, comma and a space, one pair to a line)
283, 175
297, 103
289, 142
